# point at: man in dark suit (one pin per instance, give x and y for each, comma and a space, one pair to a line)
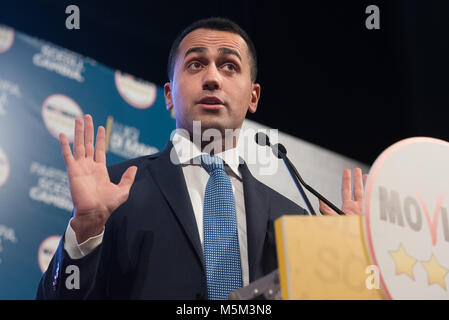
145, 228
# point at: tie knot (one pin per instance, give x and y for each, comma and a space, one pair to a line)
211, 163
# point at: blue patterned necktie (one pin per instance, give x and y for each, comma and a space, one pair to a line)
221, 242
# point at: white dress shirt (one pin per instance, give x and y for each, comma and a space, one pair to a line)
196, 178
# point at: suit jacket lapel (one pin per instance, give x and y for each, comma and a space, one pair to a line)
256, 208
171, 181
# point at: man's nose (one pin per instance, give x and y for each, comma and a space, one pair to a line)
211, 80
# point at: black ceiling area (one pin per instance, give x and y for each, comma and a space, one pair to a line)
325, 77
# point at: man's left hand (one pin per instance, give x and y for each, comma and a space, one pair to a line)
352, 197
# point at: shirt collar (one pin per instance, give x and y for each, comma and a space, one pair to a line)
186, 151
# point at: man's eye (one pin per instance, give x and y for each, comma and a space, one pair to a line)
195, 66
230, 67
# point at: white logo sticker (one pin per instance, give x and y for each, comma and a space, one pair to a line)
59, 113
138, 93
4, 168
6, 38
46, 251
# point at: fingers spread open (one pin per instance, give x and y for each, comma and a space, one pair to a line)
65, 147
358, 184
89, 135
78, 145
365, 178
346, 185
100, 145
128, 178
326, 210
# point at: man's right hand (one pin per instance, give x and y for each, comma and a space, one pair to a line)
94, 196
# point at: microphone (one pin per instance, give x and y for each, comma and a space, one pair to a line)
262, 139
281, 152
278, 149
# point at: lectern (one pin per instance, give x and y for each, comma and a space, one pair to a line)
324, 258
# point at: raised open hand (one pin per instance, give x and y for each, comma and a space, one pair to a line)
352, 201
94, 196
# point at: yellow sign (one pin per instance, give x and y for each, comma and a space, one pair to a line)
324, 258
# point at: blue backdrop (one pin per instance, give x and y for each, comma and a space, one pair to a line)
43, 88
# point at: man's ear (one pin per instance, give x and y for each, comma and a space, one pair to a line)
255, 95
168, 96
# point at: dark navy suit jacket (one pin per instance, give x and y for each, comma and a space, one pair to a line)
151, 246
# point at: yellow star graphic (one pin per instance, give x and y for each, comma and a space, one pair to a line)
404, 263
435, 272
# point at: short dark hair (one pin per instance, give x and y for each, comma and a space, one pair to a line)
219, 24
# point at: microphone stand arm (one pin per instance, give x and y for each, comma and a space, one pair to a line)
297, 177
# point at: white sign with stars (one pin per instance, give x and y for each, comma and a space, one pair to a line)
406, 218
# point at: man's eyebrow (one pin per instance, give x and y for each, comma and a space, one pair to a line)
221, 51
195, 49
225, 51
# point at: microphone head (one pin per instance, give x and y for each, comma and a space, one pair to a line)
279, 148
262, 139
